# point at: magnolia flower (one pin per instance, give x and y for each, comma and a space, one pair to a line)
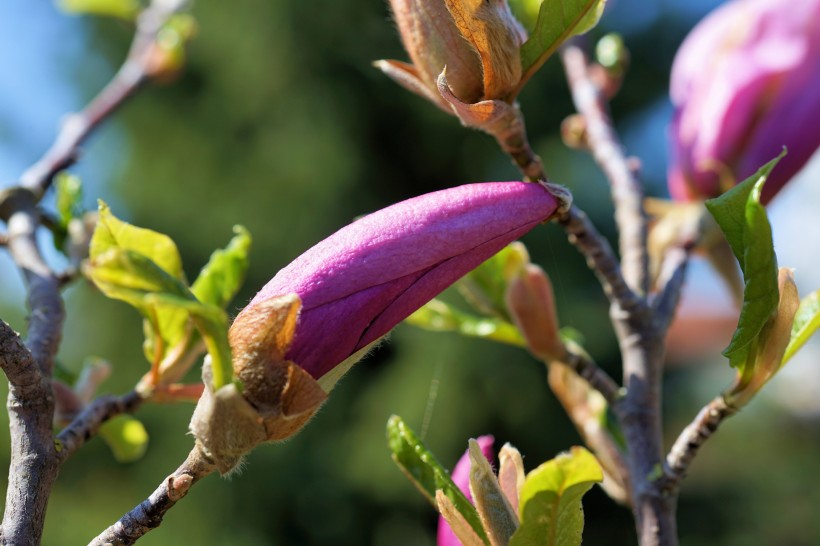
357, 284
322, 312
461, 477
744, 85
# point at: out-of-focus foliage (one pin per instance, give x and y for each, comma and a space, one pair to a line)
279, 123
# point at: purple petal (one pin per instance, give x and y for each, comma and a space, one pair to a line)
461, 477
364, 279
744, 85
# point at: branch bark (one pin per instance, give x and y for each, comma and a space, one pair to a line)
76, 127
34, 458
86, 425
692, 438
639, 331
149, 513
607, 150
33, 467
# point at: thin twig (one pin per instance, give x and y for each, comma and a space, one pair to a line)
608, 152
78, 126
149, 513
513, 140
597, 378
86, 425
692, 438
600, 258
671, 280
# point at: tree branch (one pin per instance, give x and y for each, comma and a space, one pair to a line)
76, 127
86, 425
607, 150
672, 277
149, 513
691, 439
34, 460
597, 378
600, 258
640, 336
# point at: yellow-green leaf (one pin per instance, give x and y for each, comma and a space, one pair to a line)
122, 9
806, 322
439, 316
484, 287
224, 273
550, 505
112, 232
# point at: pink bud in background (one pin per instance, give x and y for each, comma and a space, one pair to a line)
357, 284
461, 477
745, 83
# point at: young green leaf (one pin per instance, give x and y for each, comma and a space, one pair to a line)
484, 287
69, 195
68, 199
558, 20
122, 9
744, 222
806, 322
426, 473
143, 268
550, 509
526, 11
112, 232
222, 276
126, 437
442, 317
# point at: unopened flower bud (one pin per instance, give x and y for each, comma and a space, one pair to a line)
476, 41
461, 477
357, 284
743, 85
531, 304
322, 312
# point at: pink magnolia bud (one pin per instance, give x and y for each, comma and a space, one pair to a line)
745, 84
461, 477
357, 284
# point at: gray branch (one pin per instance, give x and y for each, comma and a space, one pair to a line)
692, 438
608, 152
86, 425
149, 513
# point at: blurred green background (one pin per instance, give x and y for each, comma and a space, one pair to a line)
280, 123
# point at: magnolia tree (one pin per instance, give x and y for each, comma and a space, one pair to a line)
744, 90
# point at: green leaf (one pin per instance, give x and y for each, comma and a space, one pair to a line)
550, 504
112, 232
744, 222
526, 11
222, 276
68, 199
122, 267
485, 286
122, 9
69, 195
558, 20
426, 473
126, 437
806, 322
442, 317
